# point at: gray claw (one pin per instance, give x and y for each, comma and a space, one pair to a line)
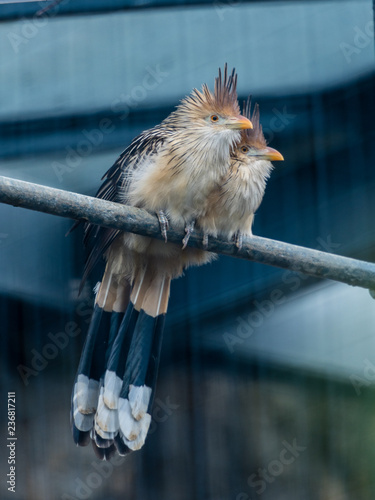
239, 240
188, 230
205, 240
164, 224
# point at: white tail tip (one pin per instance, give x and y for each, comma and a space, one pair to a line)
135, 431
139, 398
112, 389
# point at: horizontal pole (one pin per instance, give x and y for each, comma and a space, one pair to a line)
114, 215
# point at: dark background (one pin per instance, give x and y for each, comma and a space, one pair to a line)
256, 360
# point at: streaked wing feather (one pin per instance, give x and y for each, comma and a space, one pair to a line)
115, 181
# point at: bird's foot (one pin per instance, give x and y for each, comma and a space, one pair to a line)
205, 240
164, 224
188, 230
238, 239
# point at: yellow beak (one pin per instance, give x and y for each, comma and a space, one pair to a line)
269, 154
239, 123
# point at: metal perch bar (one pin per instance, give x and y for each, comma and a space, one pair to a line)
114, 215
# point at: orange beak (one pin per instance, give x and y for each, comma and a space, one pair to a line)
239, 123
269, 154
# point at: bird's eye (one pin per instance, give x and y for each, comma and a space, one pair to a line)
244, 149
214, 118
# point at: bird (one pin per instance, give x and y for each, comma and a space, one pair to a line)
169, 170
231, 205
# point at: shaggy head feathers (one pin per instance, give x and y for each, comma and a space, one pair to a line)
223, 101
254, 136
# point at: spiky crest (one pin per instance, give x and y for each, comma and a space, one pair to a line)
223, 101
255, 135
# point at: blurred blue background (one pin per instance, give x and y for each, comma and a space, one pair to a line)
254, 358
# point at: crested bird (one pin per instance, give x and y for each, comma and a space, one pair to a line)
231, 205
169, 170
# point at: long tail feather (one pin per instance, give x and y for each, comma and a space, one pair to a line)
86, 387
116, 379
117, 358
134, 407
153, 367
87, 390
